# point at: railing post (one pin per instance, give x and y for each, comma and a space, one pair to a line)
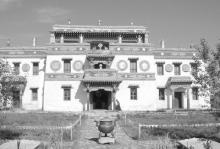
125, 119
71, 133
139, 130
80, 119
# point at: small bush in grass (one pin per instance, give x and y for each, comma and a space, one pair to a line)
10, 134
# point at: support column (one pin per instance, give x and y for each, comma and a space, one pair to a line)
119, 39
80, 38
168, 101
139, 39
146, 38
172, 101
20, 98
88, 102
52, 38
62, 39
113, 100
188, 100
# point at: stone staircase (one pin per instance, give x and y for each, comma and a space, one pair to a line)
89, 133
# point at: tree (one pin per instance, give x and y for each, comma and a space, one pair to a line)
9, 81
207, 75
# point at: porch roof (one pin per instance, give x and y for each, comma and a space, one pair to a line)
180, 80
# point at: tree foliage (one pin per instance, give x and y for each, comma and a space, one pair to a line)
207, 75
9, 81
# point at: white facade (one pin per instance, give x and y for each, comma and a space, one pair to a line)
99, 67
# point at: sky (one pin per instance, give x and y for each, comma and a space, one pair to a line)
178, 22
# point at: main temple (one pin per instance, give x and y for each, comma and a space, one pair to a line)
99, 67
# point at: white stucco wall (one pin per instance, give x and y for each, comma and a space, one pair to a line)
54, 96
33, 81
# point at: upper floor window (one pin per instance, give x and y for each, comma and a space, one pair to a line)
100, 66
35, 68
195, 93
160, 68
34, 93
161, 93
67, 65
133, 64
16, 68
177, 70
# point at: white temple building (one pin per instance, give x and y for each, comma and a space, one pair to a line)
91, 67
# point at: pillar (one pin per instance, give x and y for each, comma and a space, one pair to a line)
146, 38
188, 100
62, 39
80, 38
168, 101
172, 101
20, 98
88, 102
139, 39
52, 38
119, 39
113, 100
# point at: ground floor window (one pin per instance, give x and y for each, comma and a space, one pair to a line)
67, 93
161, 93
34, 93
133, 92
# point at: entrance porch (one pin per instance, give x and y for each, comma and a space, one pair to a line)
177, 92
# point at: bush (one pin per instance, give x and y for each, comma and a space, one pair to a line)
10, 134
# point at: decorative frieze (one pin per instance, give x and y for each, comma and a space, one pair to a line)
63, 77
169, 68
55, 65
136, 76
144, 65
78, 65
185, 67
122, 65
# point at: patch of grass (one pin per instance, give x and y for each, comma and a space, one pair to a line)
173, 118
183, 133
38, 119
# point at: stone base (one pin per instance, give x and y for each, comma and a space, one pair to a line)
105, 140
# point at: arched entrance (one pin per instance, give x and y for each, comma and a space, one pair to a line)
101, 99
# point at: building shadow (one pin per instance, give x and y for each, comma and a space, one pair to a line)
81, 95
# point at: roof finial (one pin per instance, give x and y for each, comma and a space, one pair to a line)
34, 42
8, 43
132, 23
69, 21
99, 22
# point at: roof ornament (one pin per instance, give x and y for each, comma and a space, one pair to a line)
132, 23
69, 21
8, 43
99, 22
34, 42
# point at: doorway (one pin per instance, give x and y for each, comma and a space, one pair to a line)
16, 99
178, 100
101, 99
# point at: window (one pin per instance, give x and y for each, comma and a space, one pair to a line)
194, 69
160, 69
133, 64
67, 65
17, 68
177, 68
133, 91
67, 93
35, 68
34, 93
161, 93
195, 93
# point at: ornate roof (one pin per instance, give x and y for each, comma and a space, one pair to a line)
99, 28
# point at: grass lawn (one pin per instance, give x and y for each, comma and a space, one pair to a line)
36, 119
157, 118
171, 118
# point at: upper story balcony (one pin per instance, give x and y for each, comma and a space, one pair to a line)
113, 34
